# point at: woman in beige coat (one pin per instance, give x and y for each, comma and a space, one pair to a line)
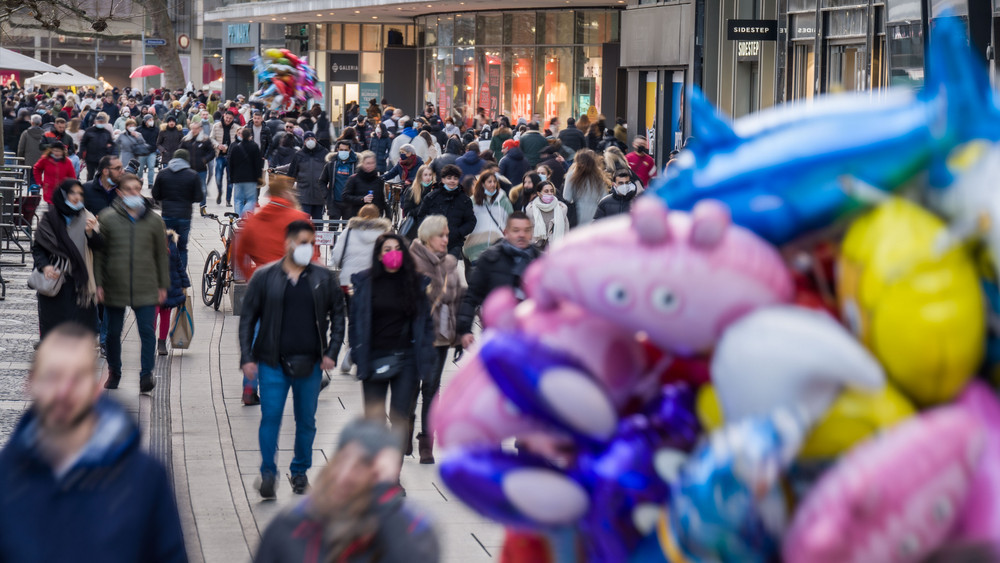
430, 251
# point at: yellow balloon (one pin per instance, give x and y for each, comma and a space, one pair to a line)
915, 303
853, 417
708, 408
273, 53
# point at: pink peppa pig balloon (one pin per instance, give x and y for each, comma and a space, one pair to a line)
895, 498
679, 278
979, 519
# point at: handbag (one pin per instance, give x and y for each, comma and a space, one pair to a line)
47, 286
182, 329
406, 226
343, 254
142, 149
386, 367
445, 324
298, 366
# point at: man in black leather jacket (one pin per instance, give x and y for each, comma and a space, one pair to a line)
299, 307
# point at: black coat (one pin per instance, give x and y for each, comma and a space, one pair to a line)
614, 204
497, 267
360, 327
573, 138
245, 163
514, 166
456, 207
178, 275
177, 191
168, 141
201, 153
357, 188
264, 302
306, 167
95, 144
380, 146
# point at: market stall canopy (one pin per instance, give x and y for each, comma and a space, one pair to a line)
68, 77
12, 60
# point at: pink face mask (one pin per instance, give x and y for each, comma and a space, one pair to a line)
393, 260
547, 198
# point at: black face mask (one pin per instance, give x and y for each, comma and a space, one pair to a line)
640, 150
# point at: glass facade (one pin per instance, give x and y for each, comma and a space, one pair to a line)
523, 64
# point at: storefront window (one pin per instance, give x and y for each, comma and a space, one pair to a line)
445, 80
352, 36
333, 34
465, 29
489, 29
371, 36
803, 26
517, 64
555, 79
430, 31
490, 81
446, 31
846, 68
519, 28
463, 104
847, 23
804, 72
906, 54
590, 28
555, 28
842, 3
588, 83
430, 76
371, 67
801, 5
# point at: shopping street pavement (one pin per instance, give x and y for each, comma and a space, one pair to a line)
196, 423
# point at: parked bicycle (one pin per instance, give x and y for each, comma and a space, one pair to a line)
217, 278
393, 199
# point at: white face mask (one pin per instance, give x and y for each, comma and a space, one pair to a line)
624, 188
302, 254
310, 144
131, 129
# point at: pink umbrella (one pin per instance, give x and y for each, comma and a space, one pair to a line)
146, 70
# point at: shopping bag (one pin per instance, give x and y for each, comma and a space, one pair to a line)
182, 328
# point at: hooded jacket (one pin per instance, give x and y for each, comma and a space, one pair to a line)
95, 144
133, 265
168, 141
177, 187
354, 253
114, 504
532, 144
456, 208
261, 239
306, 167
50, 173
380, 146
336, 172
513, 165
265, 302
470, 163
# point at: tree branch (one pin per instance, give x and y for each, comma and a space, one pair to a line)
86, 34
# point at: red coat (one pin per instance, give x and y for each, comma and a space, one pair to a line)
643, 165
49, 174
261, 238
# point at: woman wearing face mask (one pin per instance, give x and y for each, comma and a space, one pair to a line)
491, 206
523, 193
65, 236
451, 201
391, 333
52, 169
380, 143
406, 169
430, 251
129, 142
549, 216
365, 186
122, 122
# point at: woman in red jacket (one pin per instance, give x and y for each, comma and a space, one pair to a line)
52, 169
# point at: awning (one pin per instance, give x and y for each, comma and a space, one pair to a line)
68, 76
11, 60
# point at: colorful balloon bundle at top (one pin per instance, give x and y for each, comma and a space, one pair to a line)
286, 80
830, 269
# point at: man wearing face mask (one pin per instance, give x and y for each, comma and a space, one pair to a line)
97, 142
451, 201
131, 270
339, 167
300, 309
307, 167
640, 162
619, 201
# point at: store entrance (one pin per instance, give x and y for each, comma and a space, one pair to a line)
341, 94
846, 68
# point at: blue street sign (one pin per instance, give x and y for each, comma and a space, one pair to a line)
154, 42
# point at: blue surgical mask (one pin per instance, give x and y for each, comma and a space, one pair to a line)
543, 176
75, 206
426, 184
491, 193
342, 155
134, 201
450, 189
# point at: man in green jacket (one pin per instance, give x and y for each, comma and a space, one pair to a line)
131, 270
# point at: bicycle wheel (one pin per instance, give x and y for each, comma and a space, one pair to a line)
221, 283
209, 281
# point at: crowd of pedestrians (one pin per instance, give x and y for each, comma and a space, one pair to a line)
477, 201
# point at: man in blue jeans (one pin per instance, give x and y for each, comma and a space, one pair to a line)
299, 308
223, 137
177, 187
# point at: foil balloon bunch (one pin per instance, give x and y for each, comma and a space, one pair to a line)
286, 79
822, 280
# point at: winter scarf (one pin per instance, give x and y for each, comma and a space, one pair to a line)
57, 238
558, 218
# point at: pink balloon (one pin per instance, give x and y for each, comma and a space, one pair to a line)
893, 499
979, 520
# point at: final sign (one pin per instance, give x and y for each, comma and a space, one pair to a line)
752, 30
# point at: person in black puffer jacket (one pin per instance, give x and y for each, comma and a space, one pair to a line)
621, 197
306, 167
449, 200
380, 143
365, 181
572, 137
177, 188
453, 150
169, 139
246, 169
176, 295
